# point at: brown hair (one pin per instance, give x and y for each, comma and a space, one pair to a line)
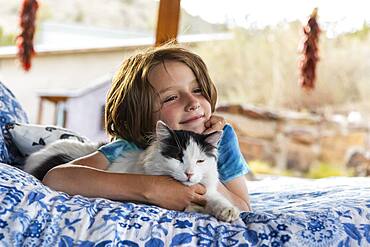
131, 100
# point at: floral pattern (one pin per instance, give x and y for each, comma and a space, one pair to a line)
286, 212
10, 111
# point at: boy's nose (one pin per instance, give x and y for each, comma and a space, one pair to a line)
192, 103
193, 107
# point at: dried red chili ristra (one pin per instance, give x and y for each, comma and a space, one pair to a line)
25, 38
309, 52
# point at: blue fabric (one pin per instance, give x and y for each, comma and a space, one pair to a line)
231, 163
10, 112
114, 149
286, 212
4, 155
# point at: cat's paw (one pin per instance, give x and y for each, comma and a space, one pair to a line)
195, 208
227, 214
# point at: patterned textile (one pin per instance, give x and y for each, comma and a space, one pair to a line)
4, 155
10, 111
287, 212
30, 138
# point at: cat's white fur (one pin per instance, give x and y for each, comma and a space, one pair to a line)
151, 162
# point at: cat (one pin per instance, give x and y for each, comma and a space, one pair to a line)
186, 156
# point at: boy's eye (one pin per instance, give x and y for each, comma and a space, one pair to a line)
200, 161
171, 98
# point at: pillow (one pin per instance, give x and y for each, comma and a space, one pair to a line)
29, 138
10, 111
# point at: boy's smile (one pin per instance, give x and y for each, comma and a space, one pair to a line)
197, 117
182, 104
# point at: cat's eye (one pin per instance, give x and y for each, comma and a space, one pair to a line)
179, 157
200, 161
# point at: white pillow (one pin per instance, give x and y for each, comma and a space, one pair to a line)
29, 138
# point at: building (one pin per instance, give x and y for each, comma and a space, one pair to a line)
80, 110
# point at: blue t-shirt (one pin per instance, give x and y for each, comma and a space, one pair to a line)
231, 163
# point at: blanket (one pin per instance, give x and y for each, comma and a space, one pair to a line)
286, 212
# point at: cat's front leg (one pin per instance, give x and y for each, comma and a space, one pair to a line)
195, 208
218, 206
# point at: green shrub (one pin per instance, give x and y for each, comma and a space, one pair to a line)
262, 167
6, 39
322, 170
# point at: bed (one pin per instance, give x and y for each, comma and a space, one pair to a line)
286, 212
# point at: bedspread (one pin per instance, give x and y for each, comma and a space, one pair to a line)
286, 212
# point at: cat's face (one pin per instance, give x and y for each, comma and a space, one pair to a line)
187, 156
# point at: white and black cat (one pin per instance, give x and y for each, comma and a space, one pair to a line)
186, 156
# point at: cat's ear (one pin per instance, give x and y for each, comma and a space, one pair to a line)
214, 137
162, 130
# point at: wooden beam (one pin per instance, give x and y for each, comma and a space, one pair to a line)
168, 21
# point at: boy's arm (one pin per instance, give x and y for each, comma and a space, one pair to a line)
91, 182
85, 178
237, 192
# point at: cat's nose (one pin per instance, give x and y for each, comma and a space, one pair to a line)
189, 175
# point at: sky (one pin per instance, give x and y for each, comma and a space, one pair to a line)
335, 16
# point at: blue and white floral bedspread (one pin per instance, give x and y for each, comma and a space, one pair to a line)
287, 212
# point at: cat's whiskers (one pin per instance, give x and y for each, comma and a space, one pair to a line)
177, 140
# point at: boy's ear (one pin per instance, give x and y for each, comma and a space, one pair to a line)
162, 131
214, 137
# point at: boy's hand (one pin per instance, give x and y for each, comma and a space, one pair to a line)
215, 123
168, 193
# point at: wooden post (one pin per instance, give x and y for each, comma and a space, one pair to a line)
57, 100
168, 21
40, 112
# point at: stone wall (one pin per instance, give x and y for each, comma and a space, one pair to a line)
294, 140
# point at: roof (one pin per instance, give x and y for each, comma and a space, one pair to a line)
61, 39
74, 93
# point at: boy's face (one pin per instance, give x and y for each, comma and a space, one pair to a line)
183, 105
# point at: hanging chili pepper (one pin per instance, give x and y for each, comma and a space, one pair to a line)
309, 52
25, 38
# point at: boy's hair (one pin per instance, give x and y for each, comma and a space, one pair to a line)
131, 100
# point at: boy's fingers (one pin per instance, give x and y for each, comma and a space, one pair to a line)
199, 189
216, 121
200, 200
208, 131
212, 121
222, 121
198, 195
219, 125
